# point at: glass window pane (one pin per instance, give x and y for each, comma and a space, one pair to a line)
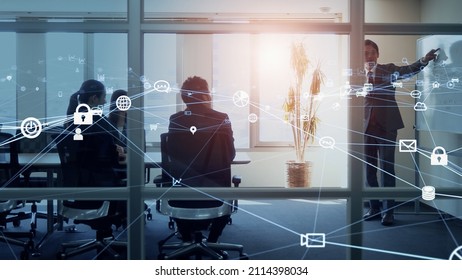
412, 11
275, 76
8, 81
160, 67
74, 57
66, 66
232, 76
110, 62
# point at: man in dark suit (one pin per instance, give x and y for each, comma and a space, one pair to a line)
199, 117
382, 119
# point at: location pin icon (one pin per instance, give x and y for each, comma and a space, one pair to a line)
193, 129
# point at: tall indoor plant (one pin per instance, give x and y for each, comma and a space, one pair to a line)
301, 113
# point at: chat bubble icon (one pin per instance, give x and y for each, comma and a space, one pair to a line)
416, 93
327, 142
161, 86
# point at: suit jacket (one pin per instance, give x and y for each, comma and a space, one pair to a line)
204, 119
96, 152
381, 100
203, 159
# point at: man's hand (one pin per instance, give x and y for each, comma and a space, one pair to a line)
431, 55
120, 152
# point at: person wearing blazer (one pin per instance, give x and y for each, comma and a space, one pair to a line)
382, 119
200, 116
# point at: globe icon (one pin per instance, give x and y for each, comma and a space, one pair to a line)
123, 103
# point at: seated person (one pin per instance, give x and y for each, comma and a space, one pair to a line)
118, 122
73, 103
118, 119
98, 154
196, 95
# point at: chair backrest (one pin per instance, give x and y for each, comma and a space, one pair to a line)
79, 167
74, 171
196, 160
35, 145
68, 156
199, 159
9, 168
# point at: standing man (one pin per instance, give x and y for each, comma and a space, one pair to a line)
382, 119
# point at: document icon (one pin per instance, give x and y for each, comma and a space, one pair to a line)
408, 145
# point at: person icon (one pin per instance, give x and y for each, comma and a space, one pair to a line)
78, 135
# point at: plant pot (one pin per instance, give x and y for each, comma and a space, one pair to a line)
298, 174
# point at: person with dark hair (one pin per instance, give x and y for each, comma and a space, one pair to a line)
73, 103
382, 119
98, 153
199, 114
196, 95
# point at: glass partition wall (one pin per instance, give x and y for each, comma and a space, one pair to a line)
142, 46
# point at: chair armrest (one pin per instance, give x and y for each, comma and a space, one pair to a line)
161, 182
158, 181
236, 180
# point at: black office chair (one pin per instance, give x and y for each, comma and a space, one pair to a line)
96, 214
9, 177
30, 177
196, 161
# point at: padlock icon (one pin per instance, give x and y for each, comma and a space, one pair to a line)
85, 118
439, 158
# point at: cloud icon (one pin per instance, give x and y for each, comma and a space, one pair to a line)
420, 106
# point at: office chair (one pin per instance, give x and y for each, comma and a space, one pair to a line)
196, 161
96, 214
29, 176
9, 177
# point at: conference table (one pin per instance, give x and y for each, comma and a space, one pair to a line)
50, 164
50, 161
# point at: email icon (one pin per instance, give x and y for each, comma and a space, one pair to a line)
408, 145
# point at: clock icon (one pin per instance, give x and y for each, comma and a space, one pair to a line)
31, 127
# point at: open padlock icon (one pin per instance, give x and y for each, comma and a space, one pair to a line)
440, 158
85, 118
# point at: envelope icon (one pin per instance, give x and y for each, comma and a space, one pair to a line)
408, 145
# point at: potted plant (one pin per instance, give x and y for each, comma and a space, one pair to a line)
301, 106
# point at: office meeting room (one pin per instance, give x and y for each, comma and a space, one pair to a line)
272, 135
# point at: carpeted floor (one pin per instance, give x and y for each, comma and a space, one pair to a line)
271, 230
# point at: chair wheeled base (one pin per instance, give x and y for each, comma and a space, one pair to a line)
199, 248
104, 244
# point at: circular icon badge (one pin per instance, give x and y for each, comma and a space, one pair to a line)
253, 118
123, 103
31, 127
241, 98
456, 254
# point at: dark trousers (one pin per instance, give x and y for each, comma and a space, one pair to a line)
380, 153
